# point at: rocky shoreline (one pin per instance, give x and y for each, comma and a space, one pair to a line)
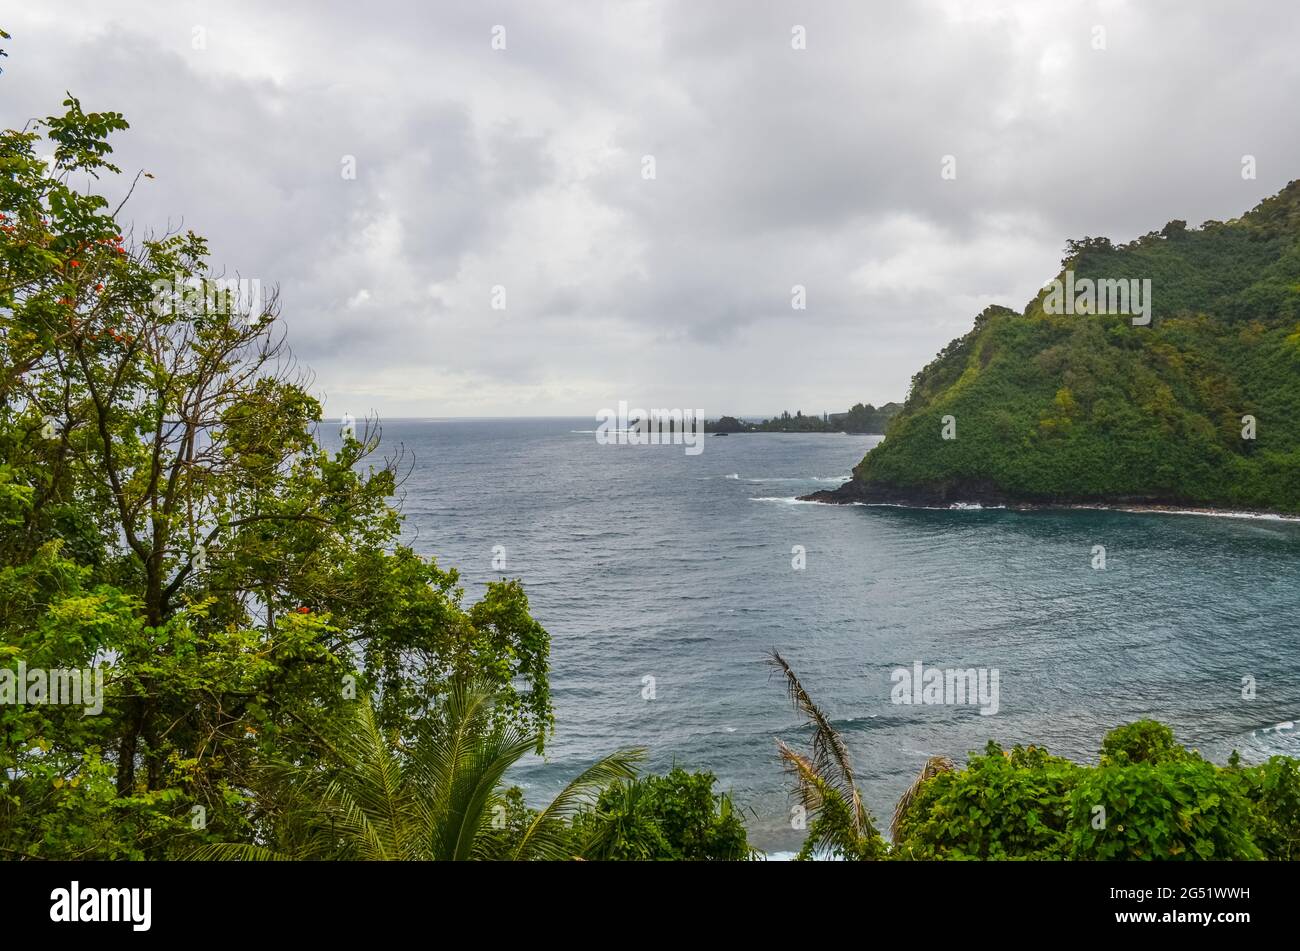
986, 495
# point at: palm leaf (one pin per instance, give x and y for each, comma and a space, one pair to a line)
460, 767
368, 797
830, 757
544, 838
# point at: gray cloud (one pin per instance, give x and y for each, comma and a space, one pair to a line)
775, 167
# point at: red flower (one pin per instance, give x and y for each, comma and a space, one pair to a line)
75, 263
99, 287
304, 610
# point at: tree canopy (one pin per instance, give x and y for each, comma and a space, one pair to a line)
169, 514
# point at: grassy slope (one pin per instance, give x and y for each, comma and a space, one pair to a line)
1090, 408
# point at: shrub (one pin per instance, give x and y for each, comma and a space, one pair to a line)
1273, 789
1149, 799
675, 817
1175, 809
1003, 805
1145, 741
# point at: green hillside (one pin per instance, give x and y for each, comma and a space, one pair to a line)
1053, 407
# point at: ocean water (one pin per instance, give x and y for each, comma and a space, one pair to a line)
645, 562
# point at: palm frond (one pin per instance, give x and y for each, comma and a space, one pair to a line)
809, 783
830, 757
460, 767
544, 838
832, 828
367, 796
369, 799
615, 823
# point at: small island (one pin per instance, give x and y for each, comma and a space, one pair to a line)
861, 420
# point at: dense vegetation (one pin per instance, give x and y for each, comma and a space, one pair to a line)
283, 677
1088, 407
860, 420
1147, 799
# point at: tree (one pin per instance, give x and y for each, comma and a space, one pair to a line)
677, 817
1074, 250
1273, 788
372, 797
841, 826
171, 516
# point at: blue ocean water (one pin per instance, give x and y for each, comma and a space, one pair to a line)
645, 562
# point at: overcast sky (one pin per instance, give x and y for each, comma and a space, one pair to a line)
774, 166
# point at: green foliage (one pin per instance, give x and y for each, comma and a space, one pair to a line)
1182, 809
169, 515
1003, 805
1148, 799
1273, 789
1091, 408
367, 795
1145, 741
677, 817
511, 820
865, 418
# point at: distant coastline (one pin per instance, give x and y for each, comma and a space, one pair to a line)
861, 420
856, 493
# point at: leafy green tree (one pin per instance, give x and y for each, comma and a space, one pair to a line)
170, 515
677, 817
1144, 741
1148, 799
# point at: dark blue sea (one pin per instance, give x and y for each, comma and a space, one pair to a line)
646, 562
